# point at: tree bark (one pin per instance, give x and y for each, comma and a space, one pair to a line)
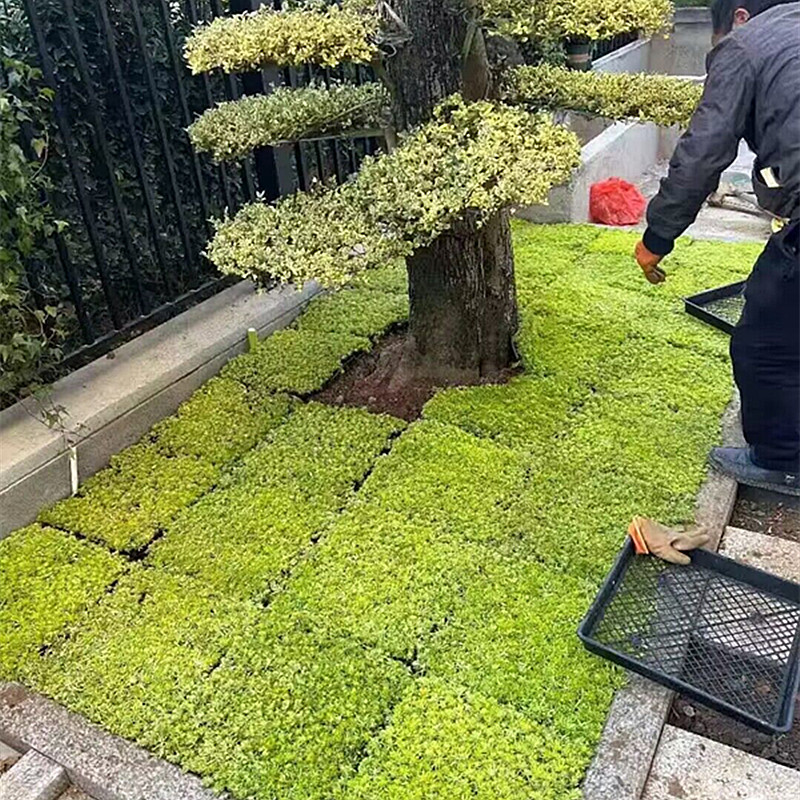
461, 287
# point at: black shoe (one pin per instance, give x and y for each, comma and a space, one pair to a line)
736, 462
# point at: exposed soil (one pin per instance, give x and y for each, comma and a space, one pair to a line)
766, 512
691, 716
729, 308
370, 381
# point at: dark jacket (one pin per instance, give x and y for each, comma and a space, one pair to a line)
752, 92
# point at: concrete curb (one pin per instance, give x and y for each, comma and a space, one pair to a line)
113, 401
639, 711
105, 767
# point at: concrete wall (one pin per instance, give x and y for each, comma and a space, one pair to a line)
113, 401
627, 149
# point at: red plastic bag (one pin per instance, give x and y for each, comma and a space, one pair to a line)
616, 202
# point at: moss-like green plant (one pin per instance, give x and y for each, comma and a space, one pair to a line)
445, 742
244, 538
358, 311
125, 505
650, 98
322, 450
497, 156
510, 639
48, 579
422, 642
234, 129
142, 656
430, 476
244, 42
582, 20
525, 413
381, 577
294, 361
288, 714
392, 279
220, 421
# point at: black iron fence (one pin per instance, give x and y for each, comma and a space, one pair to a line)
607, 46
136, 199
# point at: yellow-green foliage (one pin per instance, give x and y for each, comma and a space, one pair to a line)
233, 129
294, 361
576, 19
415, 635
47, 581
480, 157
220, 421
125, 505
446, 742
359, 311
244, 42
651, 98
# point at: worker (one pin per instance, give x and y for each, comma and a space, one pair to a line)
752, 92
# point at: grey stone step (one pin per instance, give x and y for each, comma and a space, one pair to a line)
691, 767
8, 757
770, 553
34, 777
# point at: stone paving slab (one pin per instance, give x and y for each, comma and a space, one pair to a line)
690, 767
104, 766
770, 553
33, 777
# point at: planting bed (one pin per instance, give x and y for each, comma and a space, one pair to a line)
766, 512
302, 600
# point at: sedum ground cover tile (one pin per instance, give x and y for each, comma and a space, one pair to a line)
48, 581
289, 713
362, 312
367, 610
244, 537
294, 361
446, 743
138, 660
126, 504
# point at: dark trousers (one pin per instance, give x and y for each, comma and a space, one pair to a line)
765, 349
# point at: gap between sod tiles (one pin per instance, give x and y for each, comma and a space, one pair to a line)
245, 537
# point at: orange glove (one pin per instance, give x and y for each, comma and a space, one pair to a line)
654, 538
649, 263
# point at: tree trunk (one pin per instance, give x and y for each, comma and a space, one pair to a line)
461, 287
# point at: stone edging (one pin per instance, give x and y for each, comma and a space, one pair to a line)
104, 766
639, 711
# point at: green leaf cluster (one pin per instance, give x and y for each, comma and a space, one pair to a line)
138, 661
471, 158
244, 538
295, 361
444, 741
125, 505
289, 713
650, 98
48, 580
220, 422
362, 312
582, 20
30, 332
305, 35
233, 129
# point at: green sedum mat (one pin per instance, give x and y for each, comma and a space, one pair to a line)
327, 603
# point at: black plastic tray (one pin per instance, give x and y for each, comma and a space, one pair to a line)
723, 633
698, 305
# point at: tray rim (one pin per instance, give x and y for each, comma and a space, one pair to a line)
694, 305
725, 566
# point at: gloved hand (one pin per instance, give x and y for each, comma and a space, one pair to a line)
649, 263
652, 537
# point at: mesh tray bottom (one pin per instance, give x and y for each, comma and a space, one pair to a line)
744, 681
